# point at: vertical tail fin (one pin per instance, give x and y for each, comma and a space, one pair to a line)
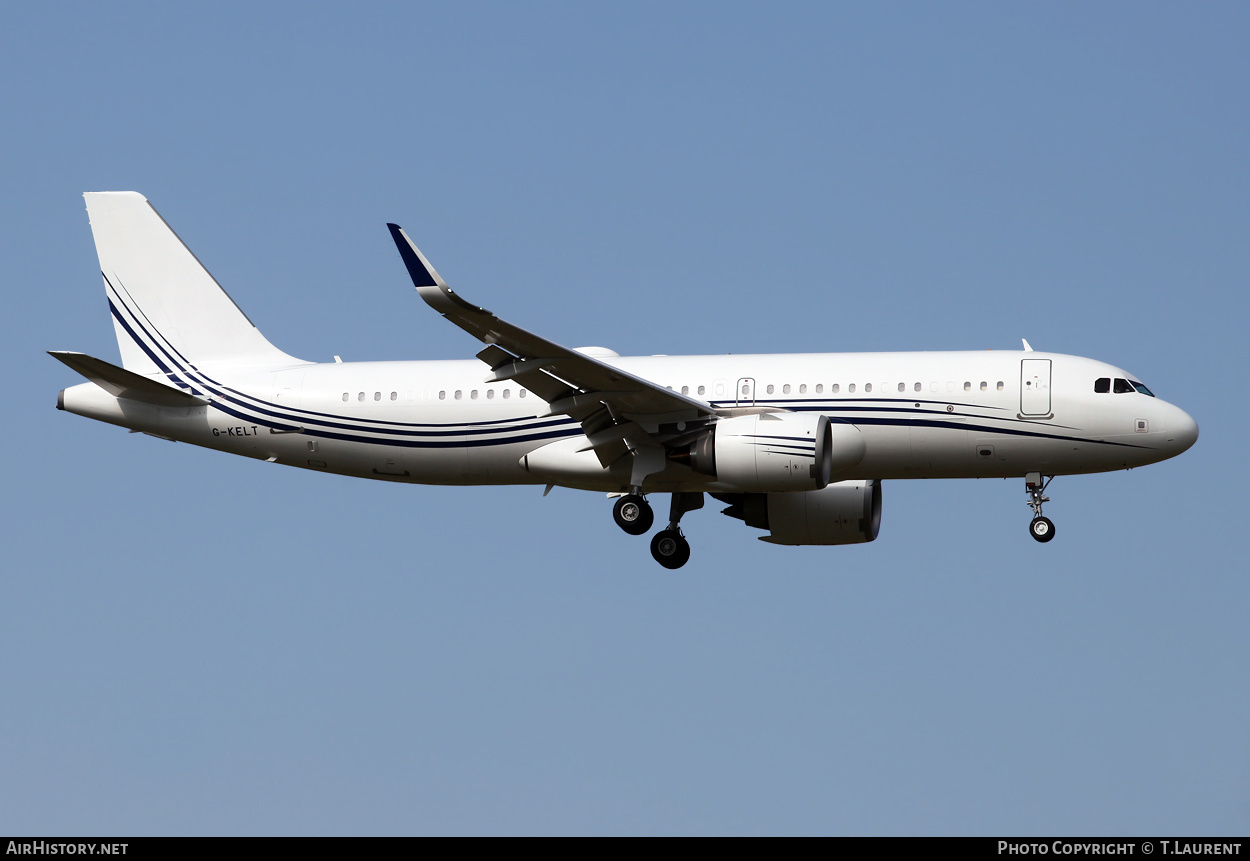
166, 307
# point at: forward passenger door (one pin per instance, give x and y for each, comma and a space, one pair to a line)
1035, 387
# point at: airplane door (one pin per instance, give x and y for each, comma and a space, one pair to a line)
1035, 387
746, 392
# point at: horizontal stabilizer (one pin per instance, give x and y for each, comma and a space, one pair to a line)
121, 383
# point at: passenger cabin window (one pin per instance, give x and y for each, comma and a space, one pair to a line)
490, 393
902, 387
803, 388
346, 397
702, 389
442, 396
984, 385
820, 387
394, 395
1000, 385
851, 388
786, 388
377, 396
967, 387
868, 387
769, 389
360, 397
1122, 387
1102, 385
507, 393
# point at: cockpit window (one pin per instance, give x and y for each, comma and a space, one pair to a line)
1122, 387
1102, 385
1145, 391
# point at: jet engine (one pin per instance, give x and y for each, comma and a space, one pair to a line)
847, 512
775, 451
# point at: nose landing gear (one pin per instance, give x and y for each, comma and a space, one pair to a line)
1035, 484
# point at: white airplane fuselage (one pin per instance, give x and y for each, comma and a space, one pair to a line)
796, 445
958, 415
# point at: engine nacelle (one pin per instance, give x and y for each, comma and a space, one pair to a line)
777, 451
848, 512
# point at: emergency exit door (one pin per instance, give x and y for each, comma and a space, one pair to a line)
746, 392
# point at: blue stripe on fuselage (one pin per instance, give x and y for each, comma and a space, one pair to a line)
238, 400
235, 405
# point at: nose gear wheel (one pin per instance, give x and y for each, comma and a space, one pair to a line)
1042, 529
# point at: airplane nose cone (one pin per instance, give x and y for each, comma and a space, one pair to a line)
1183, 431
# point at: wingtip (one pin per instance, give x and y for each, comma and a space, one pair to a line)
419, 269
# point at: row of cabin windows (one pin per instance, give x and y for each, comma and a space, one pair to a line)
490, 393
442, 396
1100, 386
836, 388
1103, 385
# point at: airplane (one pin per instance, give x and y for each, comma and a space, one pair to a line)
796, 445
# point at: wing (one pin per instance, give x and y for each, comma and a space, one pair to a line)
618, 411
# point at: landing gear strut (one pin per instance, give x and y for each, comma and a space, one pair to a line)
669, 547
1035, 485
633, 513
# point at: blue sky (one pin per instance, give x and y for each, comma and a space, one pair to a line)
197, 644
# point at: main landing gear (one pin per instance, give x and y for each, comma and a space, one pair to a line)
1035, 485
633, 513
668, 547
